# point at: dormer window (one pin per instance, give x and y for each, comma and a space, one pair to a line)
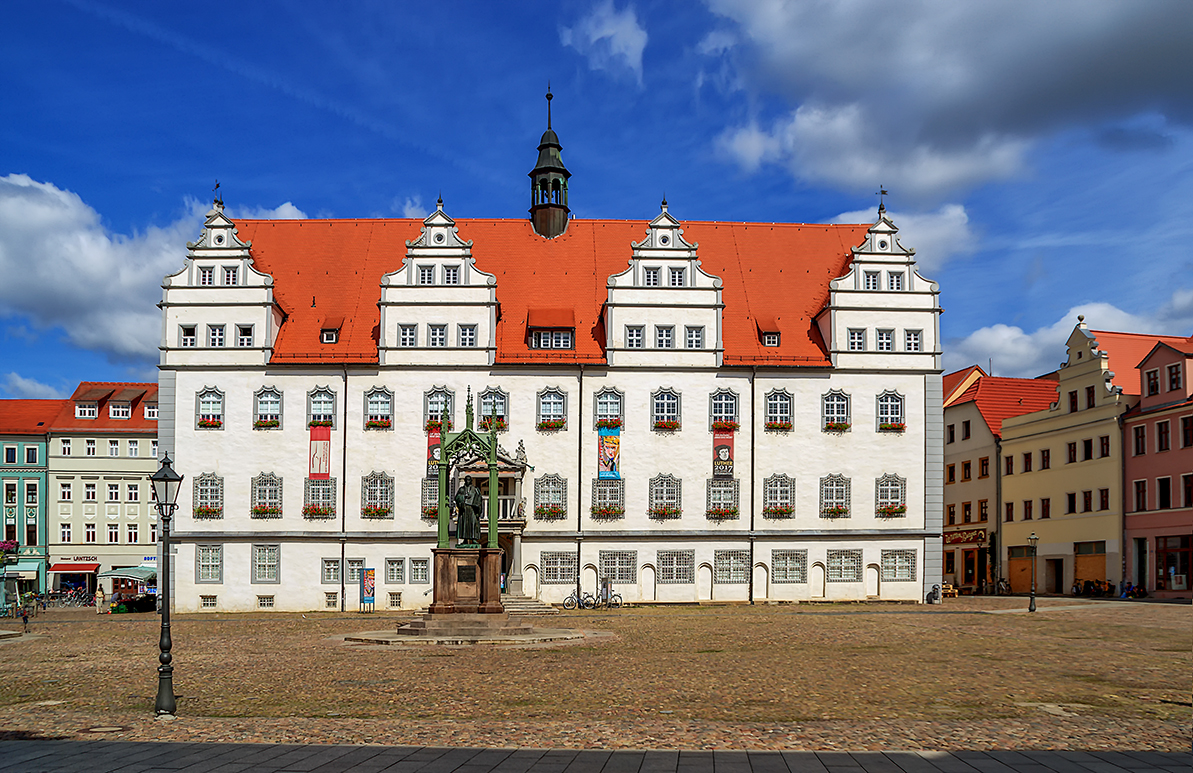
329, 336
86, 410
650, 277
551, 339
768, 327
119, 411
329, 331
551, 328
770, 339
151, 411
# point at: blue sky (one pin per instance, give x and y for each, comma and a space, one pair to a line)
1039, 156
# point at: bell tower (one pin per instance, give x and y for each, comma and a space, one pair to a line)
549, 185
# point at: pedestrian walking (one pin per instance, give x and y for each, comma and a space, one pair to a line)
99, 600
25, 618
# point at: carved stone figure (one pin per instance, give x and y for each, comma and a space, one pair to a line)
469, 503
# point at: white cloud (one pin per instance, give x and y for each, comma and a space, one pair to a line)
1017, 353
412, 207
62, 268
26, 388
611, 40
935, 236
285, 211
933, 96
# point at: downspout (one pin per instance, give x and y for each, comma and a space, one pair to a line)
344, 494
753, 435
580, 477
998, 512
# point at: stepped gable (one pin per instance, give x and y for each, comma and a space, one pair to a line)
1126, 350
998, 398
779, 271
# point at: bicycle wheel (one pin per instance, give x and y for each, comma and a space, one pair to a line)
590, 601
615, 601
570, 602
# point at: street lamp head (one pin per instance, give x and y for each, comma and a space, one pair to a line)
1033, 539
166, 483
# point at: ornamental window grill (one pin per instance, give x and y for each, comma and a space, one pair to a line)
789, 566
319, 500
619, 565
379, 409
834, 497
664, 498
778, 496
778, 410
558, 567
377, 495
835, 410
395, 571
321, 407
209, 496
608, 499
494, 409
550, 497
211, 409
267, 496
267, 409
266, 563
665, 409
608, 408
210, 563
730, 567
890, 411
898, 566
420, 570
844, 566
331, 570
552, 408
439, 405
430, 498
676, 567
890, 496
721, 498
722, 407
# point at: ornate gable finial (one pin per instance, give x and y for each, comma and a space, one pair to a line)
549, 98
882, 194
664, 204
219, 201
468, 410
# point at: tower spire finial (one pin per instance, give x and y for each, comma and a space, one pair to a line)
882, 194
549, 98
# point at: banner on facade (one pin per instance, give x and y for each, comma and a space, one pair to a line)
434, 446
609, 453
368, 585
320, 453
722, 453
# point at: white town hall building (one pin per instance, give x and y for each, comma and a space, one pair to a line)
696, 411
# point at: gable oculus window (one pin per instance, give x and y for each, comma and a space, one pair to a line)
321, 407
210, 409
665, 413
890, 412
379, 409
722, 411
494, 410
835, 412
438, 408
779, 411
608, 405
267, 409
552, 410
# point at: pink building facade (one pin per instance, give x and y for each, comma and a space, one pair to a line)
1158, 474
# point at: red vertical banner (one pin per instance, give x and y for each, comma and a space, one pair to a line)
434, 447
320, 453
722, 453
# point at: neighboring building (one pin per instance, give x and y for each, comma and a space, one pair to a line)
102, 450
1158, 438
1074, 502
973, 420
716, 410
23, 426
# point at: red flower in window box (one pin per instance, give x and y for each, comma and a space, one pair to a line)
207, 511
837, 426
549, 511
893, 426
210, 423
266, 510
319, 423
266, 424
490, 423
721, 513
607, 511
725, 425
551, 425
9, 547
318, 511
666, 425
443, 425
665, 511
777, 511
835, 512
431, 511
891, 511
613, 423
777, 426
377, 511
378, 424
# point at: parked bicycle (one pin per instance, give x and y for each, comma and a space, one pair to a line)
584, 601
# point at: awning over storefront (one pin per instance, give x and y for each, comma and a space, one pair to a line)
138, 573
21, 570
74, 568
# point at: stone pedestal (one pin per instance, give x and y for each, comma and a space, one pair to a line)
467, 581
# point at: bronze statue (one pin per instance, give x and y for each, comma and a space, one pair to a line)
468, 514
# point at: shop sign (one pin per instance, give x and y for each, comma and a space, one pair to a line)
972, 535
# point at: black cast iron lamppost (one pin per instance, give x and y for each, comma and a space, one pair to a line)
166, 483
1033, 539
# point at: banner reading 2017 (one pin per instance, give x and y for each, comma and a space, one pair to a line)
722, 453
609, 453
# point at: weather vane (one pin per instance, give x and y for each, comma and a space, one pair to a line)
882, 192
216, 191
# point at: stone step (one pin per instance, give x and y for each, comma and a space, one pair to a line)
524, 605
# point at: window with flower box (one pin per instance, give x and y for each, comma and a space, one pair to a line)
494, 410
844, 566
835, 411
558, 567
898, 566
321, 408
609, 403
834, 497
552, 410
430, 498
377, 496
550, 497
778, 497
209, 496
779, 412
267, 496
379, 409
618, 565
664, 500
665, 410
676, 567
722, 410
438, 408
608, 499
890, 497
721, 499
890, 412
267, 409
210, 409
730, 567
319, 501
789, 566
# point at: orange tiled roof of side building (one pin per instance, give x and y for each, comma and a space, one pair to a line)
1126, 350
778, 270
998, 398
102, 393
28, 417
952, 383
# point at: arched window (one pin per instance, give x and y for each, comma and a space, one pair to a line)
609, 413
722, 410
550, 497
319, 499
890, 412
665, 410
438, 408
209, 496
267, 496
834, 497
721, 499
778, 497
664, 500
835, 411
210, 409
267, 409
494, 410
379, 409
321, 408
608, 499
377, 496
890, 496
779, 412
552, 409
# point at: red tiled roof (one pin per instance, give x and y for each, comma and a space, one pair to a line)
136, 393
778, 271
951, 381
999, 398
1185, 346
1126, 351
28, 417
